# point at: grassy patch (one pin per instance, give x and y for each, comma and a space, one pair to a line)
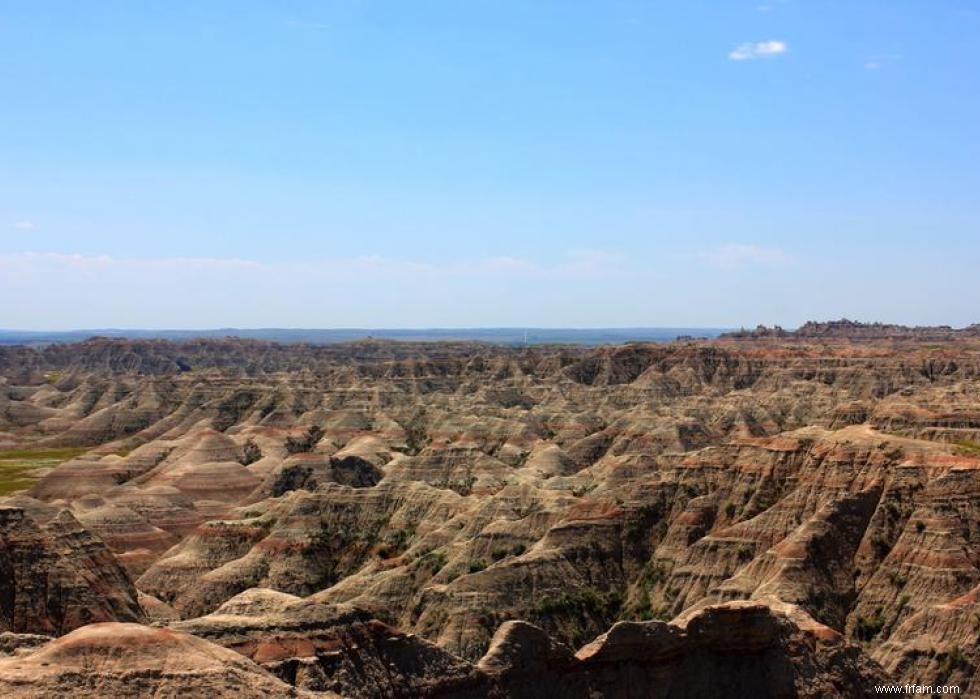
17, 466
969, 448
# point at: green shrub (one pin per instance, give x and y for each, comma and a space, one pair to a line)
867, 629
745, 552
654, 573
952, 661
462, 486
433, 561
305, 443
476, 566
250, 453
897, 579
581, 601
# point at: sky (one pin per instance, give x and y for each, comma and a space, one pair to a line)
477, 163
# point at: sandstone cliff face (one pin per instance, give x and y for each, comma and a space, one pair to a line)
937, 645
57, 576
411, 501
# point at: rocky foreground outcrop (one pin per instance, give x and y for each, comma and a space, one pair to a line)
791, 518
57, 576
274, 645
129, 660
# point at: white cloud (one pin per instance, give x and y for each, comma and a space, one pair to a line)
760, 49
736, 256
25, 225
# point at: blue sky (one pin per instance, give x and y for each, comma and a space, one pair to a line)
488, 163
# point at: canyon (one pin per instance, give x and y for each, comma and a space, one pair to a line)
771, 513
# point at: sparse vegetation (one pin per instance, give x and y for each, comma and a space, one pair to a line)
654, 573
968, 448
395, 543
233, 409
499, 553
642, 611
689, 490
867, 628
584, 601
816, 603
953, 660
475, 566
415, 433
462, 486
745, 552
306, 442
250, 453
897, 579
880, 544
433, 561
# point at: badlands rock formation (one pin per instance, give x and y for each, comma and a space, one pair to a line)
762, 516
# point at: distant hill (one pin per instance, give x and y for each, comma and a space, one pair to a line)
851, 330
506, 336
